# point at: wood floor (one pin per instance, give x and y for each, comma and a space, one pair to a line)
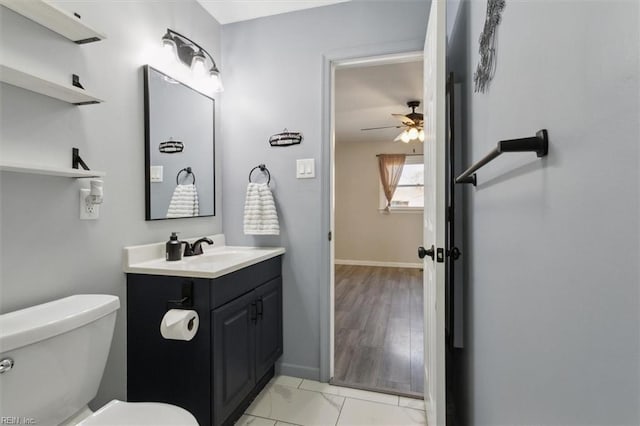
379, 328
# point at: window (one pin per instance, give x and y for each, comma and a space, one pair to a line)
409, 194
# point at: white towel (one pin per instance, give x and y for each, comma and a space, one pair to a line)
260, 216
184, 202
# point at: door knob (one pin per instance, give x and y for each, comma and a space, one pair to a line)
422, 252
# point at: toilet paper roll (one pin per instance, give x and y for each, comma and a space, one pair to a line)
179, 324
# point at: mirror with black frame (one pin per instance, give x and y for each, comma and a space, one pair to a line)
179, 149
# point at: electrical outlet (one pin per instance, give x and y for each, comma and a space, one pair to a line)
88, 210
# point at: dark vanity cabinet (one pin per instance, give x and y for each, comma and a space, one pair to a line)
247, 335
231, 358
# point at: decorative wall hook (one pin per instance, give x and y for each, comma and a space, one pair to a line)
286, 138
487, 64
171, 146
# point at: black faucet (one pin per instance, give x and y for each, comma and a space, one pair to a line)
195, 248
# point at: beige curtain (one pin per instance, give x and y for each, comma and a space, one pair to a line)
390, 166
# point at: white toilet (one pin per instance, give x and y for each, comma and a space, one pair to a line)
52, 357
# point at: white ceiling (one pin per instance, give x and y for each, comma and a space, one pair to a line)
366, 96
228, 11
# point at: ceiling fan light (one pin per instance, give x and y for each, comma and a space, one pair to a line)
404, 137
421, 135
413, 133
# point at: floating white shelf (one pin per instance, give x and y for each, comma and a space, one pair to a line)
34, 83
56, 19
49, 170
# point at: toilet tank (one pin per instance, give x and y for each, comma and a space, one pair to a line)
59, 350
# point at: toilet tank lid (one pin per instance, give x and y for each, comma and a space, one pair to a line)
40, 322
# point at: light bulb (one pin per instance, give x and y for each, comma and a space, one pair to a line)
405, 137
421, 135
198, 64
413, 133
216, 81
169, 46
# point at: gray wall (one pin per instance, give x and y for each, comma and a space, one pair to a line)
362, 231
273, 79
47, 252
552, 254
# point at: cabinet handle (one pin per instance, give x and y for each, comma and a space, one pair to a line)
254, 312
260, 307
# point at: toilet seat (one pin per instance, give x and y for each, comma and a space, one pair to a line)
119, 413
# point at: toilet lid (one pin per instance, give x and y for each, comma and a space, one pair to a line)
118, 413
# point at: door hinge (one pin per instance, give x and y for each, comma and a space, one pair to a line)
440, 255
329, 235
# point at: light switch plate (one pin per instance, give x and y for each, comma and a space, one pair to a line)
305, 168
156, 174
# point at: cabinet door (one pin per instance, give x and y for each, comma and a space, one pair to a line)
233, 352
269, 325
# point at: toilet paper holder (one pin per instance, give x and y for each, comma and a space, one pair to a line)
187, 297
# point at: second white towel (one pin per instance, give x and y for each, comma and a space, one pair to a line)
260, 216
184, 202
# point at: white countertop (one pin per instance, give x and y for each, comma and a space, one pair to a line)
217, 260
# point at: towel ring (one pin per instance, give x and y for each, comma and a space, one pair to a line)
263, 169
189, 172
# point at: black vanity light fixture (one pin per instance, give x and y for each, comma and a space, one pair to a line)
193, 55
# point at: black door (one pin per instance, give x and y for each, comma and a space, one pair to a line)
233, 352
269, 325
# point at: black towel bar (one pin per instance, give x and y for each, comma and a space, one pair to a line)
538, 144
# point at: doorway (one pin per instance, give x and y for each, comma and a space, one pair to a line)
377, 277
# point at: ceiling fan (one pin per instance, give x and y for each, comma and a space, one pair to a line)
413, 124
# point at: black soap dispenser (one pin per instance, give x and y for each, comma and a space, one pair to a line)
174, 248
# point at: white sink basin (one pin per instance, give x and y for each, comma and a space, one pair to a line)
216, 261
224, 255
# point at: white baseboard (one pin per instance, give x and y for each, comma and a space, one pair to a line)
378, 263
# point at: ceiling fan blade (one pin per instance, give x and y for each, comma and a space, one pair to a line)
405, 120
386, 127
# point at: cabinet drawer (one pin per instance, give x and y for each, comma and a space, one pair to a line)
235, 284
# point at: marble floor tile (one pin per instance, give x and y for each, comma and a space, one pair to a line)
246, 420
290, 381
384, 398
356, 412
301, 407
